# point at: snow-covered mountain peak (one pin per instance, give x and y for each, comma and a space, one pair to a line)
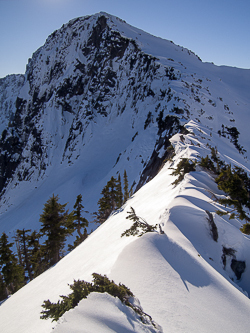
102, 90
100, 97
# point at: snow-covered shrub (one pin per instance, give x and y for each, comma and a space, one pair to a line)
246, 228
139, 227
81, 289
183, 167
100, 284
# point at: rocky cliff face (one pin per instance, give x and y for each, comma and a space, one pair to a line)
100, 90
85, 71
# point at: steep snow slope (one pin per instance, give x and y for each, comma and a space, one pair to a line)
9, 90
99, 97
178, 276
89, 106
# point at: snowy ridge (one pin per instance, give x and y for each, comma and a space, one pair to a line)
89, 107
91, 77
178, 277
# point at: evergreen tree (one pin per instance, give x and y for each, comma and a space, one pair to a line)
139, 227
207, 163
110, 200
32, 255
77, 222
12, 273
21, 239
38, 257
55, 225
17, 240
245, 228
3, 289
131, 191
119, 192
125, 187
183, 167
236, 184
104, 206
113, 193
78, 240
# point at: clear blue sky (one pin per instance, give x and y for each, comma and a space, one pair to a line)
216, 30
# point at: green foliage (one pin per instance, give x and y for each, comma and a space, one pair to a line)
102, 284
3, 289
246, 228
108, 202
112, 197
214, 153
207, 163
119, 199
233, 181
38, 255
12, 274
183, 167
170, 154
56, 226
21, 238
233, 134
170, 149
77, 222
81, 289
125, 187
78, 240
236, 184
139, 227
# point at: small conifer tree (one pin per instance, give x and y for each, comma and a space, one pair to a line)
55, 225
3, 289
111, 199
12, 273
245, 228
207, 163
139, 227
125, 187
113, 193
81, 289
119, 198
21, 238
183, 167
78, 222
38, 256
105, 207
236, 184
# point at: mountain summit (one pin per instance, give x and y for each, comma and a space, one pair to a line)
92, 79
100, 97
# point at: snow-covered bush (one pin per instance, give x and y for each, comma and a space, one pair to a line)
139, 227
81, 289
183, 167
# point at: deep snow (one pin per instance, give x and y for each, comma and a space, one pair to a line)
178, 277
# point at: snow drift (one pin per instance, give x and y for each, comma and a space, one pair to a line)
67, 143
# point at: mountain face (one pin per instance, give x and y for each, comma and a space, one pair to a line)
88, 79
103, 96
100, 97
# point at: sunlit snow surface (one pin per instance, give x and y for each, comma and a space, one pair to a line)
178, 277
